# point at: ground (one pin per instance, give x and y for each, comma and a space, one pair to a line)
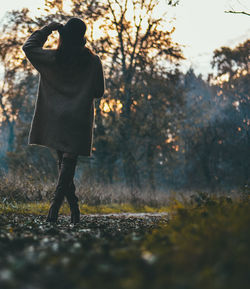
200, 244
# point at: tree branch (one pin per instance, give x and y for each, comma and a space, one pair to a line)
238, 12
119, 31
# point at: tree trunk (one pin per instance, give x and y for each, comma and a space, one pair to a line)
150, 164
11, 137
130, 168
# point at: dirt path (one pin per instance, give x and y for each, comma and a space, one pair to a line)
28, 226
117, 223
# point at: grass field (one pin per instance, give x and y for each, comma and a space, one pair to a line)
201, 243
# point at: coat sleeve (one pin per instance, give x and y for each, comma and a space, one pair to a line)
100, 80
33, 47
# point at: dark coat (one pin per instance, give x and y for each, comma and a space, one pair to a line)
64, 111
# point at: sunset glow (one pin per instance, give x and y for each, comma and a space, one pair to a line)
185, 29
192, 19
170, 138
111, 105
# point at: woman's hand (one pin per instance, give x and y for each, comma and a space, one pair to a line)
54, 25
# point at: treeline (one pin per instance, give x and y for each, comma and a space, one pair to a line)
156, 126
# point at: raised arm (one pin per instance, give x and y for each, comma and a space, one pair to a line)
33, 47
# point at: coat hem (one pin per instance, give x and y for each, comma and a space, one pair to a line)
59, 148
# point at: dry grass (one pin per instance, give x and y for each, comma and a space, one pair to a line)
16, 188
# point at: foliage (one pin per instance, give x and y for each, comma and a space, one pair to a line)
205, 245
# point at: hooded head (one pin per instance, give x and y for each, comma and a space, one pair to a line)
71, 42
73, 32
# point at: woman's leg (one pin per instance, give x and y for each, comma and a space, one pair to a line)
70, 193
70, 155
66, 165
59, 159
61, 154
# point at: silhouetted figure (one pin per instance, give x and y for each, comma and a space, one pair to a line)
70, 78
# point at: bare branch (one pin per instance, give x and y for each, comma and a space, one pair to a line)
120, 31
238, 12
138, 27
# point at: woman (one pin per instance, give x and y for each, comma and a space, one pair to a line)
70, 79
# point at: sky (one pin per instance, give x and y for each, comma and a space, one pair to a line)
201, 26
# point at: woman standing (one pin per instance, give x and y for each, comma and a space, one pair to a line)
70, 79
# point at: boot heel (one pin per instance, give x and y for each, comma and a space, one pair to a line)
75, 215
73, 204
53, 214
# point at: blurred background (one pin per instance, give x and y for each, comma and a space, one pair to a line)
176, 110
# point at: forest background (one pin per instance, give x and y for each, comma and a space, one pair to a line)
157, 127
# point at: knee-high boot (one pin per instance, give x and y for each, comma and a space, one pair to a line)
65, 179
70, 196
73, 203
